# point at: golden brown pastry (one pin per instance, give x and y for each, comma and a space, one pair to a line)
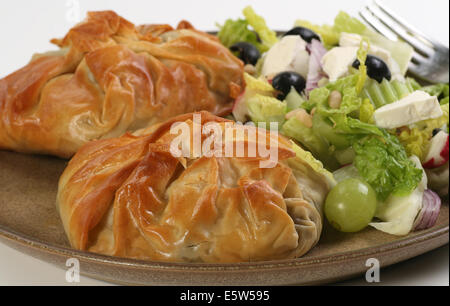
130, 197
109, 77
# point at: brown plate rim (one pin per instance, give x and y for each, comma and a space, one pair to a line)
400, 243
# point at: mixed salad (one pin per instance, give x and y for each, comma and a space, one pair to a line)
340, 92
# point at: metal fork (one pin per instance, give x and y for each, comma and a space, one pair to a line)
430, 60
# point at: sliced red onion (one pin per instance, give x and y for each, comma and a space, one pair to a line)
315, 72
429, 213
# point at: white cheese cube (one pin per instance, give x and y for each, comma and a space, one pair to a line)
289, 54
413, 108
337, 61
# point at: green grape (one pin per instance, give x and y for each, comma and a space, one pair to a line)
350, 205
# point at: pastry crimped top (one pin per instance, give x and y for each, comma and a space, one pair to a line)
131, 197
109, 77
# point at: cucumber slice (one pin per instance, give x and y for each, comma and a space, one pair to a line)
294, 100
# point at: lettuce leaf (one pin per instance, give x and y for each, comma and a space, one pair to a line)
234, 31
383, 163
379, 157
315, 164
267, 36
345, 23
362, 70
266, 109
295, 129
438, 90
366, 112
398, 213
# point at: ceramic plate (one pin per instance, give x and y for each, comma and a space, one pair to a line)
30, 223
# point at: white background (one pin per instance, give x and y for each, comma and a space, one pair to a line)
27, 26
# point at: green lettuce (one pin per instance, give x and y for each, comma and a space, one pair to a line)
379, 157
295, 129
267, 36
366, 112
343, 22
266, 109
234, 31
438, 90
383, 163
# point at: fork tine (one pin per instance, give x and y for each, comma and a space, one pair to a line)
368, 17
419, 58
407, 26
391, 24
414, 69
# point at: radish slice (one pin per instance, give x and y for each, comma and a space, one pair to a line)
438, 152
429, 213
315, 72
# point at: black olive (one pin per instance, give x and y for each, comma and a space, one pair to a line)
285, 80
305, 33
377, 69
436, 131
247, 52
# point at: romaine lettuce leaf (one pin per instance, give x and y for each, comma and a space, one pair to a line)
315, 164
266, 109
267, 36
366, 112
294, 129
438, 90
234, 31
343, 22
383, 163
324, 128
398, 213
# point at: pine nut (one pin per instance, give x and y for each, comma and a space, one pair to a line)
302, 116
335, 99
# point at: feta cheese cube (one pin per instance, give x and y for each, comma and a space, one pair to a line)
413, 108
337, 61
289, 54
